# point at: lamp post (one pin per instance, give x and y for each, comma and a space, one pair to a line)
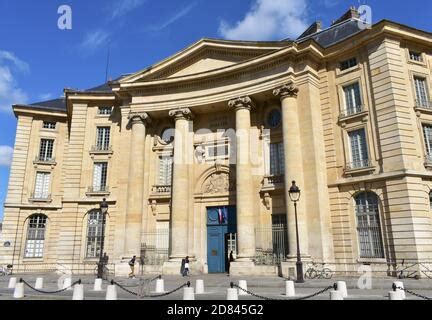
103, 210
294, 194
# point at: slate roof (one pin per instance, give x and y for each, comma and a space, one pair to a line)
54, 104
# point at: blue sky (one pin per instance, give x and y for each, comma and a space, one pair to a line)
38, 60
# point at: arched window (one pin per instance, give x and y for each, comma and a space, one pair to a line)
368, 225
94, 234
35, 236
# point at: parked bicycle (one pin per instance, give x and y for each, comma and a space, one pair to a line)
405, 271
315, 271
5, 271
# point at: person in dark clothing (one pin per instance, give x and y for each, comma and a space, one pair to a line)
182, 267
186, 266
231, 259
132, 266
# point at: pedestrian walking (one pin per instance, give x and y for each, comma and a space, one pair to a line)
231, 259
186, 266
132, 267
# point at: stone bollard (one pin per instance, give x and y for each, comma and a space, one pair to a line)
111, 293
243, 285
335, 295
188, 292
160, 286
19, 290
232, 294
39, 283
399, 284
395, 295
67, 283
97, 284
341, 286
199, 286
12, 283
78, 291
289, 288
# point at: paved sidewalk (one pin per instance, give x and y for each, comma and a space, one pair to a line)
216, 287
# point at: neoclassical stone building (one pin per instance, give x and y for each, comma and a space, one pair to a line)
195, 156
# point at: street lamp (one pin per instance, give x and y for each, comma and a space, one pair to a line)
294, 194
103, 210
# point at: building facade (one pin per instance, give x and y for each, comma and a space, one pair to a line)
195, 156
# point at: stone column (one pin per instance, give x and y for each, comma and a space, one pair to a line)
134, 211
293, 165
244, 189
180, 184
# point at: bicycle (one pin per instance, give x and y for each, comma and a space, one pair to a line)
408, 273
6, 271
315, 272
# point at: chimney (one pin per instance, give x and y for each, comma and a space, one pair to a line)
352, 13
313, 28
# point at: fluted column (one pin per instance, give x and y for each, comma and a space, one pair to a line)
244, 190
134, 211
180, 183
293, 164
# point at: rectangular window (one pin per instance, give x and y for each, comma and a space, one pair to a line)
105, 110
421, 92
277, 159
165, 170
49, 125
103, 138
427, 134
352, 99
359, 154
42, 185
220, 150
46, 150
349, 63
415, 56
100, 176
35, 237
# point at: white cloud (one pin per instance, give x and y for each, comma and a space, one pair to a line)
120, 8
6, 153
269, 20
94, 40
175, 17
10, 93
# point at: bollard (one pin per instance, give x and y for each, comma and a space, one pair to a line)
12, 283
243, 285
78, 291
188, 293
289, 288
341, 286
395, 295
67, 283
232, 294
111, 293
97, 284
199, 286
160, 288
19, 290
39, 283
399, 284
335, 295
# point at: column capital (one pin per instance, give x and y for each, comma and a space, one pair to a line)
181, 113
286, 90
137, 117
244, 102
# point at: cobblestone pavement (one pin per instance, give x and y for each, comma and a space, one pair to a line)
216, 287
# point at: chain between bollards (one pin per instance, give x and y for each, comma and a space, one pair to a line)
394, 287
48, 292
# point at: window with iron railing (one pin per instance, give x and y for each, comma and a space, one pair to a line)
102, 138
415, 56
49, 125
422, 99
103, 110
277, 161
35, 236
100, 177
368, 225
359, 153
95, 230
353, 102
165, 170
46, 150
42, 185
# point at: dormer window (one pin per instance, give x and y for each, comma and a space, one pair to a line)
103, 110
48, 125
415, 56
349, 63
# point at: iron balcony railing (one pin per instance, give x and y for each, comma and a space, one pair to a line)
161, 188
101, 148
44, 159
351, 111
365, 163
423, 104
96, 189
272, 180
40, 196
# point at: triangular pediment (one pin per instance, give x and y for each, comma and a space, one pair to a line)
204, 56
